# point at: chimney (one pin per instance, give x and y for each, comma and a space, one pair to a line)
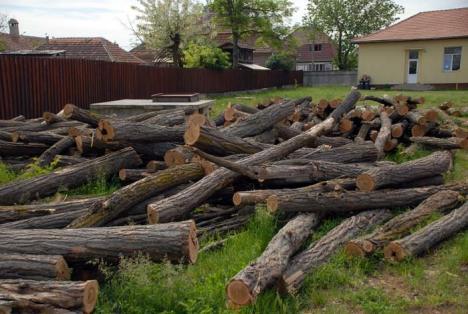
14, 28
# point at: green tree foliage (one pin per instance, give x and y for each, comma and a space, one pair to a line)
263, 18
168, 25
3, 22
280, 61
205, 56
344, 20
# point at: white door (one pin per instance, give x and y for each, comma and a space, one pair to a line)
413, 66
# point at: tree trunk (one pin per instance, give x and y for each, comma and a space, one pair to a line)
123, 199
38, 127
286, 133
175, 242
320, 252
351, 153
73, 112
172, 118
354, 200
244, 287
401, 225
132, 175
68, 177
29, 296
21, 149
53, 221
46, 137
384, 133
424, 239
441, 143
50, 117
34, 267
182, 203
178, 156
47, 156
434, 164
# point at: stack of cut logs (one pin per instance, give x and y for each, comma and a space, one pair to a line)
185, 176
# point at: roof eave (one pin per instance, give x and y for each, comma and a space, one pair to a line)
364, 41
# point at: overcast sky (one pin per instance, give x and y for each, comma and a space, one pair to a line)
109, 18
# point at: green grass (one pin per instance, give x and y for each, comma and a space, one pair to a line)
436, 282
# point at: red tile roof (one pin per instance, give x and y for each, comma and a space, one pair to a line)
425, 25
14, 43
94, 48
306, 39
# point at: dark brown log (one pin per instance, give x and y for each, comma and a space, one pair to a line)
65, 160
11, 123
434, 164
350, 153
416, 117
48, 155
178, 156
424, 239
38, 127
384, 133
155, 165
50, 117
19, 118
122, 200
262, 120
353, 200
21, 149
286, 133
150, 151
6, 136
441, 143
132, 175
45, 137
246, 285
68, 177
320, 252
34, 267
30, 296
171, 118
381, 100
361, 136
121, 131
219, 119
56, 220
19, 212
402, 224
268, 137
73, 112
182, 203
173, 241
454, 112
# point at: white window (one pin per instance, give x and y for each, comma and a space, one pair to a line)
452, 58
319, 67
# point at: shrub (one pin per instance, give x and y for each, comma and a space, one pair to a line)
205, 56
280, 61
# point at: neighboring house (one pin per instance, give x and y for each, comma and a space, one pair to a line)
13, 41
91, 48
428, 48
224, 41
151, 56
315, 50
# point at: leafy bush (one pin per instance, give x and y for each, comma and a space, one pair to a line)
280, 61
206, 56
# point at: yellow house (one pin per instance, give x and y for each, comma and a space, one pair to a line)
428, 48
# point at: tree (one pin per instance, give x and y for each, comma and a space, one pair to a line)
205, 56
344, 20
280, 61
168, 25
263, 18
3, 22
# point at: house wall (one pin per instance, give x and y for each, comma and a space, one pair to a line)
387, 63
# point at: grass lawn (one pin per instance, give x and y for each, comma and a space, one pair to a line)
436, 283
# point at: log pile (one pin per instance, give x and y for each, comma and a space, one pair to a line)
184, 176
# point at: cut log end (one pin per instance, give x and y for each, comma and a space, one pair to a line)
153, 216
193, 245
107, 130
397, 130
63, 271
122, 174
68, 110
196, 119
236, 199
192, 133
238, 293
272, 204
418, 130
355, 250
394, 252
346, 125
90, 295
365, 182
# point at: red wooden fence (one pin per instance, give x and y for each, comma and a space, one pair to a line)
31, 85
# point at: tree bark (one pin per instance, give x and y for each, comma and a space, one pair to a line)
132, 175
424, 239
401, 225
434, 164
68, 177
53, 221
46, 137
244, 287
172, 118
320, 252
50, 117
384, 133
286, 133
354, 200
175, 242
73, 112
441, 143
351, 153
34, 267
29, 296
21, 149
48, 155
178, 156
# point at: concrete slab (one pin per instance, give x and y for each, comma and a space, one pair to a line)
129, 107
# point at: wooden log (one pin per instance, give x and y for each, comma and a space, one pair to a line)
155, 165
424, 239
441, 143
55, 220
21, 212
398, 129
175, 242
390, 145
123, 199
320, 252
6, 136
353, 200
350, 153
68, 177
19, 118
416, 117
178, 156
421, 130
244, 287
34, 267
48, 155
182, 203
149, 151
38, 127
454, 112
171, 118
11, 123
286, 133
21, 149
45, 137
402, 224
30, 296
132, 175
268, 137
73, 112
361, 136
50, 117
232, 114
384, 134
262, 120
434, 164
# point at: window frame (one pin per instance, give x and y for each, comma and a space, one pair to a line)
319, 46
451, 56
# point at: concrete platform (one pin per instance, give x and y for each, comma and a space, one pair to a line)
129, 107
